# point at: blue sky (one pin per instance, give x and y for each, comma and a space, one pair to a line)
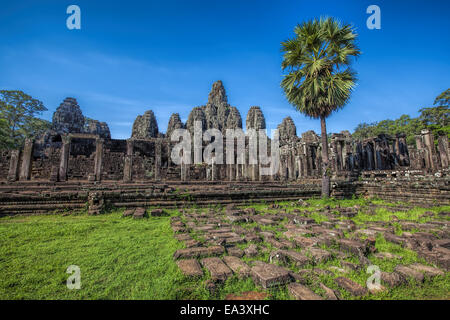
132, 56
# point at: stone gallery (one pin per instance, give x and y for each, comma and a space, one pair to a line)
81, 149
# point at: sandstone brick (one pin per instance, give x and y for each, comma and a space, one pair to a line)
301, 292
408, 272
237, 266
190, 267
140, 213
269, 275
351, 286
427, 270
198, 252
219, 271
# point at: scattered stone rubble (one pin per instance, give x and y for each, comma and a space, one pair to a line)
301, 244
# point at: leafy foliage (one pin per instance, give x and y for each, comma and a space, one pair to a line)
319, 79
435, 119
18, 118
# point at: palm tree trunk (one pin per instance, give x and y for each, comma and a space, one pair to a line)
325, 175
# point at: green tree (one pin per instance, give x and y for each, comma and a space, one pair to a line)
443, 99
319, 79
3, 135
18, 113
437, 119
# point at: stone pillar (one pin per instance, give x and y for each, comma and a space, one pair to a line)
300, 167
291, 165
340, 158
240, 167
254, 172
396, 145
304, 165
443, 151
376, 154
283, 168
428, 141
182, 172
64, 159
13, 165
403, 149
158, 160
128, 162
213, 169
25, 169
419, 143
231, 171
98, 160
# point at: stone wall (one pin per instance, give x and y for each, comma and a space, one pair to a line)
410, 186
79, 148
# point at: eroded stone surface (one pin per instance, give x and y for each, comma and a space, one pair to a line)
190, 267
287, 256
392, 279
140, 213
198, 252
217, 268
301, 292
237, 265
408, 273
269, 275
427, 270
351, 286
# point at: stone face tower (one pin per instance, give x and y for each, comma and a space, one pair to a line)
217, 113
68, 117
174, 123
287, 131
145, 126
218, 96
234, 120
255, 119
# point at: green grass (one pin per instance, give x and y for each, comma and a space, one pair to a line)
124, 258
119, 258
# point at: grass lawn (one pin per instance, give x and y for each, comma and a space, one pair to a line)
124, 258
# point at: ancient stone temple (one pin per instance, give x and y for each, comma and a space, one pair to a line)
80, 150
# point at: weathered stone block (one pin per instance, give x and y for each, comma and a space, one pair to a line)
301, 292
237, 265
190, 268
269, 275
140, 213
351, 286
219, 271
392, 279
408, 273
198, 252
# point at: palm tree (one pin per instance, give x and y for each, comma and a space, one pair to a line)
319, 79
